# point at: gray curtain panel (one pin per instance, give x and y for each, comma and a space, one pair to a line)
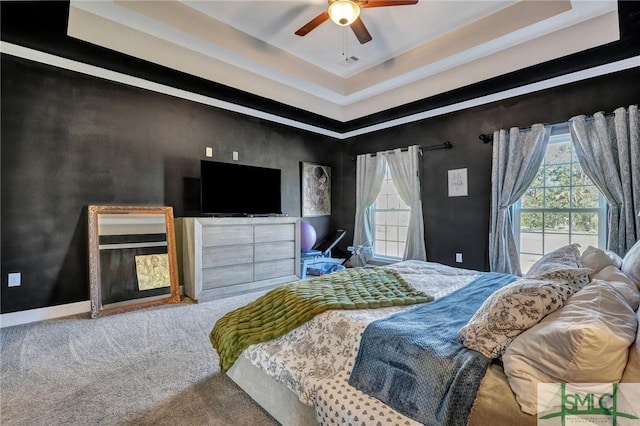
608, 148
403, 167
517, 156
370, 171
369, 176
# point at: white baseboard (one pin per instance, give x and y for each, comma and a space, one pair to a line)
50, 312
41, 314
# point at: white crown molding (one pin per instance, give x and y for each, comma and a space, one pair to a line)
609, 68
71, 65
68, 64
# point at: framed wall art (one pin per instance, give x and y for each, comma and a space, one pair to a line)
132, 258
458, 183
316, 189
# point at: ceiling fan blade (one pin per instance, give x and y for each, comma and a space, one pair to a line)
360, 31
312, 24
384, 3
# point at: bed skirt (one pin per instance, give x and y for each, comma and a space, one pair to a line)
494, 404
276, 399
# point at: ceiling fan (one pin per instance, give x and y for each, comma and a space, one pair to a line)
347, 13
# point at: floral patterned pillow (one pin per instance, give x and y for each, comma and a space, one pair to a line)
510, 311
586, 341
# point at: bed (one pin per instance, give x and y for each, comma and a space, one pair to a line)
306, 376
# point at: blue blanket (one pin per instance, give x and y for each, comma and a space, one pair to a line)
415, 363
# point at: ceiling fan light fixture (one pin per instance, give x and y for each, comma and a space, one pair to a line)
344, 12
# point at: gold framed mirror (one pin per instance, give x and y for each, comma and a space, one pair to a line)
132, 258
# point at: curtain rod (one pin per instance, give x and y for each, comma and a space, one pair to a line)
445, 145
488, 137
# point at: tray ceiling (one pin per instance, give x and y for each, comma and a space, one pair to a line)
417, 51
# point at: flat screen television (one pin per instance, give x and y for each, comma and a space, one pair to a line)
229, 189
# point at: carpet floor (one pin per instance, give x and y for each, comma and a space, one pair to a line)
149, 367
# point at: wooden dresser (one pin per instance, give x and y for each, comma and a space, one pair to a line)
220, 257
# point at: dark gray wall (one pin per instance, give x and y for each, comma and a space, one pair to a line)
70, 140
461, 224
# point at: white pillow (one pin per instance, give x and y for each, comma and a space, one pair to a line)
632, 371
622, 283
585, 341
557, 260
596, 258
631, 263
511, 310
561, 265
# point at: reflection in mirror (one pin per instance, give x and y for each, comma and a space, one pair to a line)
132, 258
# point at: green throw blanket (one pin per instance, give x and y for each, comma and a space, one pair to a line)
290, 305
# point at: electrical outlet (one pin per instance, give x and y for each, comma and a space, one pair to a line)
14, 279
235, 155
209, 151
459, 257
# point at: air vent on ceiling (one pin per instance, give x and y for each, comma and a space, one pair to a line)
349, 61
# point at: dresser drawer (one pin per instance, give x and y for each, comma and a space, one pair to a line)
226, 255
274, 251
226, 235
269, 233
274, 269
227, 275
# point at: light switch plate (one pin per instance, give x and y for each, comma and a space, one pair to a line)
235, 155
459, 257
209, 151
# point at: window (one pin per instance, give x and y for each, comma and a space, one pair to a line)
562, 206
390, 222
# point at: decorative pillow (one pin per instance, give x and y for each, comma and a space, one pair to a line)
562, 265
618, 280
586, 341
631, 263
568, 255
596, 258
511, 310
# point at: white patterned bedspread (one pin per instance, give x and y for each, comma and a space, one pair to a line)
323, 350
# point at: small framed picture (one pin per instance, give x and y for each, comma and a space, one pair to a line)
316, 189
458, 183
152, 271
